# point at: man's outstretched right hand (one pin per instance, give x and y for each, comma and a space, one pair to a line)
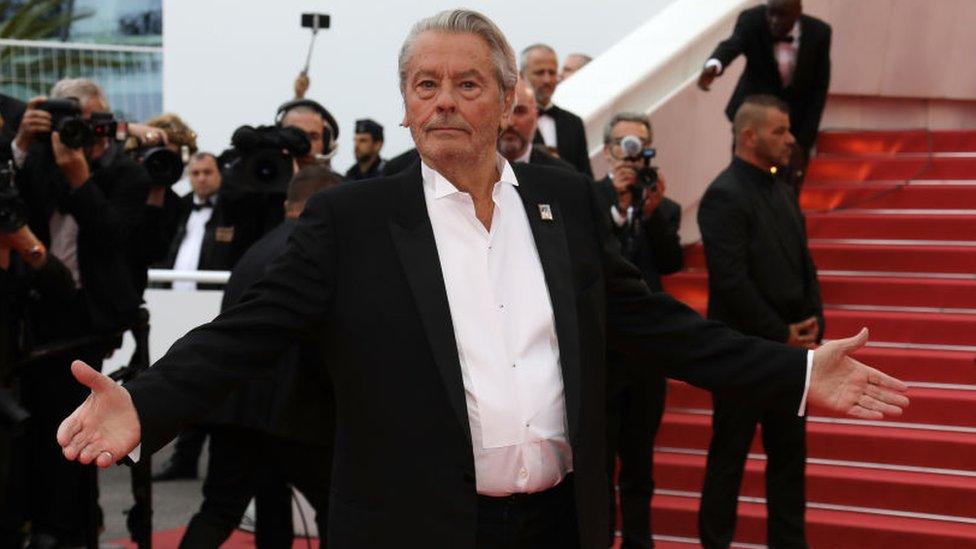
105, 428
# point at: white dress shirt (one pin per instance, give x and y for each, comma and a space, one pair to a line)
546, 125
505, 335
188, 256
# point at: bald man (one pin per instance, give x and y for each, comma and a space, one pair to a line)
518, 130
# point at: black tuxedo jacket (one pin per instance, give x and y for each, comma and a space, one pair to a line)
540, 157
362, 275
294, 400
11, 111
108, 209
570, 139
655, 247
806, 94
761, 277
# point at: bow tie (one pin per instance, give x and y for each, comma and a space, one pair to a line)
788, 39
544, 112
202, 205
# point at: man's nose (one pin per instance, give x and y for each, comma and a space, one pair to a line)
446, 99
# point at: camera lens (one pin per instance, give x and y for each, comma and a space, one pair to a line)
75, 133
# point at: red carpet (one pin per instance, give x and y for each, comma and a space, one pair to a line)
901, 259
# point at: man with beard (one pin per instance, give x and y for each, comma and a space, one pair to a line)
518, 129
761, 282
367, 144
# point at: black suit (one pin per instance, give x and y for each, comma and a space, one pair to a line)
807, 92
570, 139
370, 289
275, 430
540, 157
107, 209
636, 393
11, 112
761, 278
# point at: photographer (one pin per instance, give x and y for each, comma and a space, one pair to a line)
162, 145
646, 223
85, 198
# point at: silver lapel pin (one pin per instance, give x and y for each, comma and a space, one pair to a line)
545, 212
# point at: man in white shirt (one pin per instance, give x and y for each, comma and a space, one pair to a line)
197, 243
466, 320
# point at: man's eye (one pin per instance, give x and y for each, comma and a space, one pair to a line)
426, 84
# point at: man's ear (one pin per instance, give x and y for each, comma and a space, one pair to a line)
406, 121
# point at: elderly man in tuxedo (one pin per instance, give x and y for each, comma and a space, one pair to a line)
465, 318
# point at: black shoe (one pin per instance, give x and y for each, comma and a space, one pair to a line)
176, 471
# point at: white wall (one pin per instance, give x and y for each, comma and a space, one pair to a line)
228, 63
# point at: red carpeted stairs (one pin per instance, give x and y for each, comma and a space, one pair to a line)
891, 218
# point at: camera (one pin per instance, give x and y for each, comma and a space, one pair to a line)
164, 166
13, 210
262, 158
75, 131
634, 149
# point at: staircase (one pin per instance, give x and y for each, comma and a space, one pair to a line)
891, 218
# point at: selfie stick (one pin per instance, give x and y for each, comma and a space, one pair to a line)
311, 45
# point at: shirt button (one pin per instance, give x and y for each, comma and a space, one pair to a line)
523, 473
514, 365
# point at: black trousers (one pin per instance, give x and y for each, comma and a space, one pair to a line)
784, 439
634, 410
544, 520
188, 447
246, 463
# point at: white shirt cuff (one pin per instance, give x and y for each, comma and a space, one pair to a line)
18, 155
136, 453
714, 63
806, 386
618, 217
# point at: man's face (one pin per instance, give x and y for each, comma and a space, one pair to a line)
782, 15
365, 147
774, 142
453, 99
614, 153
518, 129
571, 64
204, 176
97, 149
541, 70
311, 123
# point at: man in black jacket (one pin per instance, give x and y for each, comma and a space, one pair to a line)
518, 129
466, 337
646, 224
787, 55
85, 204
761, 282
276, 429
559, 129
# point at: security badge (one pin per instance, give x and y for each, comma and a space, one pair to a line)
545, 212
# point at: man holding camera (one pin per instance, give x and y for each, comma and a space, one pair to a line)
85, 198
646, 224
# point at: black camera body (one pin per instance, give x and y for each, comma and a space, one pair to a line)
75, 131
262, 158
13, 210
646, 174
164, 166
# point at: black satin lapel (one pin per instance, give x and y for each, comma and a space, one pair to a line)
413, 238
550, 241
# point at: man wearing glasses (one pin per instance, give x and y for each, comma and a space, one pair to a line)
646, 223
